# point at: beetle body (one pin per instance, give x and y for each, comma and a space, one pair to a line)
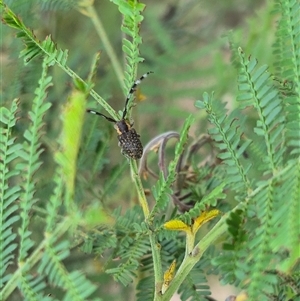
129, 140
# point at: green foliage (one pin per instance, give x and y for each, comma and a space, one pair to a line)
286, 52
47, 47
255, 89
9, 194
250, 254
59, 184
30, 155
228, 139
208, 200
145, 290
133, 244
194, 287
132, 17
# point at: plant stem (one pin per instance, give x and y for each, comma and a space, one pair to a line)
191, 259
139, 187
155, 246
91, 12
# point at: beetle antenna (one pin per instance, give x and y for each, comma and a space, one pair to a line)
132, 90
100, 114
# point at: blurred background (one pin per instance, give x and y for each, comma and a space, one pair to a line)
187, 45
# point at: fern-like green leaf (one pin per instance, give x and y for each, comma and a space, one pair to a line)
286, 217
30, 155
286, 46
132, 18
145, 289
102, 241
194, 287
125, 222
252, 254
257, 90
227, 135
75, 284
9, 151
287, 66
124, 273
133, 244
227, 266
235, 228
31, 286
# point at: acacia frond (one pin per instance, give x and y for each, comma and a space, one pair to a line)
132, 19
263, 257
32, 288
255, 183
31, 162
257, 90
287, 67
145, 289
286, 46
285, 219
9, 151
132, 243
195, 286
132, 249
265, 223
227, 135
75, 284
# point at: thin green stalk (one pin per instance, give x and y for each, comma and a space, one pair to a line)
155, 246
91, 12
157, 265
139, 187
191, 259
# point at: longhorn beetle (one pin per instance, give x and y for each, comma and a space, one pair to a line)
129, 139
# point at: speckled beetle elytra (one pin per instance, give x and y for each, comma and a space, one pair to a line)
129, 139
